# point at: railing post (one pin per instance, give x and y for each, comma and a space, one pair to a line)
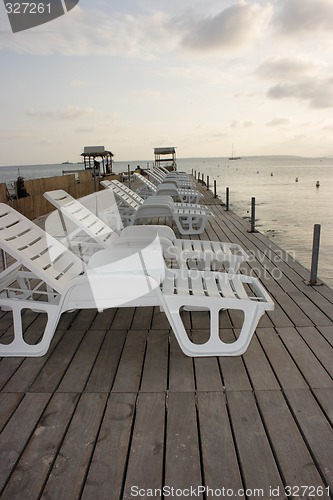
129, 176
315, 254
215, 195
253, 215
207, 182
227, 199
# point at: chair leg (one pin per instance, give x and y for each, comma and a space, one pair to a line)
214, 345
189, 224
19, 347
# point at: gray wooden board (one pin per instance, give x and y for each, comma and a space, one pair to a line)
54, 369
325, 399
17, 432
105, 367
25, 375
38, 457
145, 465
78, 372
294, 459
258, 368
181, 373
309, 365
319, 346
182, 458
316, 429
108, 465
155, 371
219, 459
128, 376
8, 404
283, 365
260, 471
70, 467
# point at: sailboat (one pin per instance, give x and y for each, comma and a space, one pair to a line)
232, 157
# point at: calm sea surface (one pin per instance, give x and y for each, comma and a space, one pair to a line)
286, 210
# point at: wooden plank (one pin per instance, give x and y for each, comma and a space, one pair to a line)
259, 370
83, 320
145, 465
294, 459
316, 430
207, 370
30, 368
319, 346
219, 458
257, 461
159, 321
108, 466
307, 363
8, 367
181, 373
123, 318
155, 370
325, 399
81, 365
103, 320
327, 332
142, 318
37, 460
234, 375
103, 373
17, 432
50, 376
128, 376
182, 460
284, 367
8, 404
70, 468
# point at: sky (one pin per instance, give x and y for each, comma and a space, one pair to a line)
203, 76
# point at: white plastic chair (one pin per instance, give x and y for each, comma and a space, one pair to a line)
168, 189
47, 277
203, 254
191, 219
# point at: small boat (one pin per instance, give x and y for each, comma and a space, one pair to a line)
232, 157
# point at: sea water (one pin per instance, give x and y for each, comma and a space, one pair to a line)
288, 202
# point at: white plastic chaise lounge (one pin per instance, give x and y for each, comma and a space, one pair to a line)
180, 182
168, 189
202, 254
162, 198
47, 277
189, 220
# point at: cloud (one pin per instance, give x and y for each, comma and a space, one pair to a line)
285, 68
277, 122
232, 28
301, 17
239, 124
70, 113
86, 32
318, 92
33, 113
73, 112
90, 31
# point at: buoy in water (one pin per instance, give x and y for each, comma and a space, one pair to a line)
317, 184
296, 180
271, 174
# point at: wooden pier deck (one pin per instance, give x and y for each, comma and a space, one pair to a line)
115, 410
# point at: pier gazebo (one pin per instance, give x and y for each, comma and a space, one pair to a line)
97, 156
166, 157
